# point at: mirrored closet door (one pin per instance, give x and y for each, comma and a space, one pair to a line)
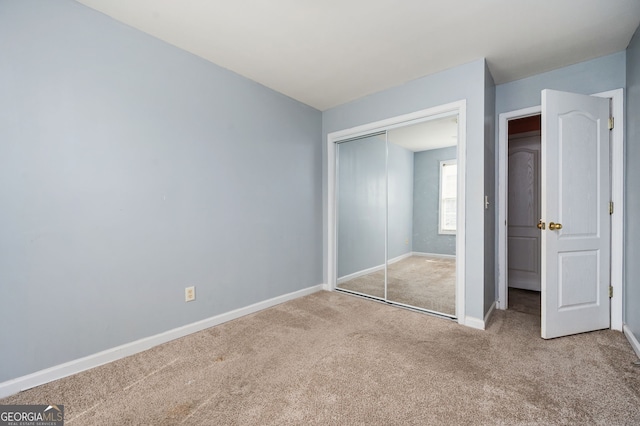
396, 215
362, 215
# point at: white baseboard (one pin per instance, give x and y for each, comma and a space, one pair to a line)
41, 377
487, 317
632, 339
480, 324
399, 258
444, 256
367, 271
473, 322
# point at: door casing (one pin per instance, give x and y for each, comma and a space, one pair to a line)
617, 196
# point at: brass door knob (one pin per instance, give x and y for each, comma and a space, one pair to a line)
541, 224
555, 226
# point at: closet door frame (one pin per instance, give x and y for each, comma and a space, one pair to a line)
458, 107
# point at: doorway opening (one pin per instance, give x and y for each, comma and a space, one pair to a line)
617, 198
523, 213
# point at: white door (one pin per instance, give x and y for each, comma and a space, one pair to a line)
523, 236
575, 210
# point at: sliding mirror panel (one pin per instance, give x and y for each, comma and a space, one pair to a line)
422, 192
361, 199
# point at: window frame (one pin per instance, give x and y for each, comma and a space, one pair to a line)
441, 216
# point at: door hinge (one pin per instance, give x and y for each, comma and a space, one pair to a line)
610, 207
611, 123
610, 291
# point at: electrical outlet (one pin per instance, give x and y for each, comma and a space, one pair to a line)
189, 294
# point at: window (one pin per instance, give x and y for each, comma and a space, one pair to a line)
448, 194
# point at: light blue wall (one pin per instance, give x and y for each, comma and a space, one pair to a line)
463, 82
400, 223
490, 190
597, 75
632, 190
130, 169
362, 204
426, 206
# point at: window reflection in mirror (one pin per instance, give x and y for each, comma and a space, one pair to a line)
424, 275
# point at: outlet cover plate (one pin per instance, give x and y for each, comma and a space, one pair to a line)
189, 294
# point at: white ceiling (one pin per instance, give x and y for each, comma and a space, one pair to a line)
432, 134
328, 52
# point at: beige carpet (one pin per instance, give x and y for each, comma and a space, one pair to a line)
334, 359
526, 301
423, 282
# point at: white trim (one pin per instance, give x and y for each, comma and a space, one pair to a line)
428, 114
386, 214
459, 107
617, 195
632, 339
474, 323
461, 234
47, 375
360, 273
367, 271
399, 258
444, 256
480, 324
